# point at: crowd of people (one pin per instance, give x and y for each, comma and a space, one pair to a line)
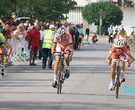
28, 40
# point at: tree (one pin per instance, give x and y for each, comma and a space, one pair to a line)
45, 10
113, 15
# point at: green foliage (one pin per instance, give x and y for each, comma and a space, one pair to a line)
113, 15
45, 10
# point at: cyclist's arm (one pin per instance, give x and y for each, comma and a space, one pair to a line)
53, 48
107, 60
131, 58
9, 49
71, 48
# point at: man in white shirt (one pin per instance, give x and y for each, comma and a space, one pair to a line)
110, 31
42, 32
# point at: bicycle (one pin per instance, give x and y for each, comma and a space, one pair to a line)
117, 76
2, 65
61, 73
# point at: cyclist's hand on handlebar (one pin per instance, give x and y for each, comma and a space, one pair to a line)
109, 63
128, 65
6, 58
53, 51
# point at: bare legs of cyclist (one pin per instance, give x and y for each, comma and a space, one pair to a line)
113, 69
57, 61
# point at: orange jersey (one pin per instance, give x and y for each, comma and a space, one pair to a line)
124, 50
66, 41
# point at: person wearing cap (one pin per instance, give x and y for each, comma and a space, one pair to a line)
110, 31
47, 46
118, 50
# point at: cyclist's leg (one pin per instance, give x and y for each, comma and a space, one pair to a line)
2, 51
67, 60
123, 56
113, 65
113, 69
57, 61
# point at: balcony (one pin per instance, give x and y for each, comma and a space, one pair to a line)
124, 3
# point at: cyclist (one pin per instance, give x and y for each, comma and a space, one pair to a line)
122, 34
118, 50
3, 45
62, 42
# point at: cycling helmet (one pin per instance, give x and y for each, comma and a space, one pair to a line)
119, 43
61, 31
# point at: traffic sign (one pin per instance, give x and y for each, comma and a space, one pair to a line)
101, 13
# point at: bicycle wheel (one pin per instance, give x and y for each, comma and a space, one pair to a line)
59, 84
117, 81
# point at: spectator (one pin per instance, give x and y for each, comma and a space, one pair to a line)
27, 26
87, 32
14, 16
110, 31
76, 38
72, 32
6, 32
36, 22
1, 26
34, 44
94, 38
42, 32
47, 46
80, 30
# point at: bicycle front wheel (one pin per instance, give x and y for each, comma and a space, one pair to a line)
117, 89
117, 81
59, 83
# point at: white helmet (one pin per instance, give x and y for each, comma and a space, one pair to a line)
61, 31
119, 43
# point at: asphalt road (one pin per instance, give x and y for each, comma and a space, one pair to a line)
27, 87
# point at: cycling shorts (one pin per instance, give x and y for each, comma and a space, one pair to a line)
115, 56
58, 49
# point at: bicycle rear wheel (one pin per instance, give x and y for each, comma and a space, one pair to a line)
59, 84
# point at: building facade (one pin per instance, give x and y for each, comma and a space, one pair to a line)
127, 6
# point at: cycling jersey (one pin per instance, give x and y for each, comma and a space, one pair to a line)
122, 33
66, 41
114, 54
2, 40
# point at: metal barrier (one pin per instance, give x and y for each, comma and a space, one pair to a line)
17, 55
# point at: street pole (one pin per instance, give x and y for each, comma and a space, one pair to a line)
100, 27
